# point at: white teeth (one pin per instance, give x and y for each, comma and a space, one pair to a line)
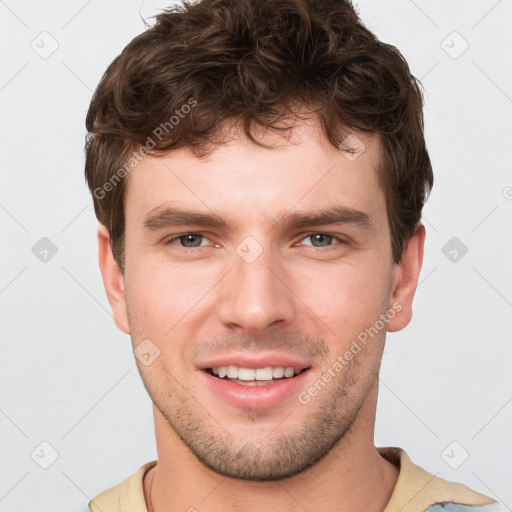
289, 371
263, 373
278, 372
251, 374
232, 372
245, 373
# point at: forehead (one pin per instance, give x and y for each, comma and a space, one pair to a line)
302, 171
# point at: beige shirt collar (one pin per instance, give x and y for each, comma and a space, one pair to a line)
415, 490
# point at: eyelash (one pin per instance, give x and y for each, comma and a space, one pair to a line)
334, 238
171, 240
177, 237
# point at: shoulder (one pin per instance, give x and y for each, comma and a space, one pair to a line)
418, 490
128, 495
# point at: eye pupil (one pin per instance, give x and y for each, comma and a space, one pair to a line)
195, 240
317, 240
323, 239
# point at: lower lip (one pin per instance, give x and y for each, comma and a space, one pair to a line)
255, 397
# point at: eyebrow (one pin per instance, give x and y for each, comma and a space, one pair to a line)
334, 215
168, 217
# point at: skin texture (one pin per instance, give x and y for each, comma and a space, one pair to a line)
294, 298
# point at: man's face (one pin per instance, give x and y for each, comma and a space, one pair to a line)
264, 288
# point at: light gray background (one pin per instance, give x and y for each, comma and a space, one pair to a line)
68, 377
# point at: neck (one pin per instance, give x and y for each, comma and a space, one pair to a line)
352, 476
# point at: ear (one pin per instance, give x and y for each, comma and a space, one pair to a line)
113, 280
405, 280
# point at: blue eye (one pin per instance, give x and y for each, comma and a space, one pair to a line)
320, 239
189, 241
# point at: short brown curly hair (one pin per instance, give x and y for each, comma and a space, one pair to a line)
256, 62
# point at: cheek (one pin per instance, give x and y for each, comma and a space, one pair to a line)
345, 297
165, 298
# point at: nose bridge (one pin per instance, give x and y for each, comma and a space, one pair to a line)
254, 297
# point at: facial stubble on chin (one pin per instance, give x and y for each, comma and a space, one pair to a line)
271, 456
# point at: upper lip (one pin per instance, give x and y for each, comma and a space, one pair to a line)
255, 360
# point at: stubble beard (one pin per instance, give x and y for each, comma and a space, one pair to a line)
264, 457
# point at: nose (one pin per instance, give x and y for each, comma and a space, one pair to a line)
256, 296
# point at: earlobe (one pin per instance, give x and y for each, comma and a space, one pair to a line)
113, 280
405, 279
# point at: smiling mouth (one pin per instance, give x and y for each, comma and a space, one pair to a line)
255, 376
